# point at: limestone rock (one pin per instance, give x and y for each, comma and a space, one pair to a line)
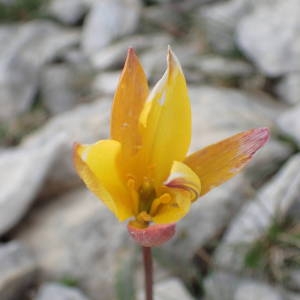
22, 172
67, 11
256, 217
274, 45
51, 291
21, 59
17, 270
289, 124
76, 237
108, 20
84, 124
288, 88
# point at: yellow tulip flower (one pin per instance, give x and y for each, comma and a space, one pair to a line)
142, 172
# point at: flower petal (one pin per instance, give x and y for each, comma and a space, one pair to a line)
219, 162
129, 100
166, 120
152, 236
96, 164
181, 188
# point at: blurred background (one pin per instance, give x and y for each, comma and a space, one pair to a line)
59, 65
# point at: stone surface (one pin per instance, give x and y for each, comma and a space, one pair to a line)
220, 67
81, 241
255, 290
57, 90
106, 83
256, 217
289, 124
171, 289
274, 45
108, 20
85, 124
113, 56
220, 112
221, 285
63, 86
67, 11
17, 270
22, 172
219, 21
21, 59
288, 88
51, 291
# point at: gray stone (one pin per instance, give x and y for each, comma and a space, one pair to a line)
21, 59
219, 21
256, 217
67, 11
85, 124
113, 56
108, 20
289, 124
220, 112
51, 291
76, 237
106, 83
256, 290
220, 67
17, 270
63, 87
288, 88
293, 277
22, 172
274, 45
171, 289
222, 285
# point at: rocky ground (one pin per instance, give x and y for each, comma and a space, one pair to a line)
59, 65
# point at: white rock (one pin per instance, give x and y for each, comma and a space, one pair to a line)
255, 290
84, 124
22, 172
220, 285
106, 83
171, 289
51, 291
220, 112
219, 21
288, 88
57, 90
21, 59
75, 236
256, 217
17, 270
67, 11
108, 20
289, 123
114, 55
274, 45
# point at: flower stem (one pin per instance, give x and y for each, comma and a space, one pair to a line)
148, 269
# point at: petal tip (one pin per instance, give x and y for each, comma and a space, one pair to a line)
152, 236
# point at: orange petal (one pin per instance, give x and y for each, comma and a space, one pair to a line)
166, 120
219, 162
96, 164
129, 100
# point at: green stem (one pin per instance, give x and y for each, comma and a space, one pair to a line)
148, 269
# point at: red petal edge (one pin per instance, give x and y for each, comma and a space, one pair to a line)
152, 236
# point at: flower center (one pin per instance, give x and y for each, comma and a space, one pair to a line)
146, 194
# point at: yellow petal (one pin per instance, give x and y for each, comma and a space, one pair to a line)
166, 120
129, 100
219, 162
97, 165
182, 188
